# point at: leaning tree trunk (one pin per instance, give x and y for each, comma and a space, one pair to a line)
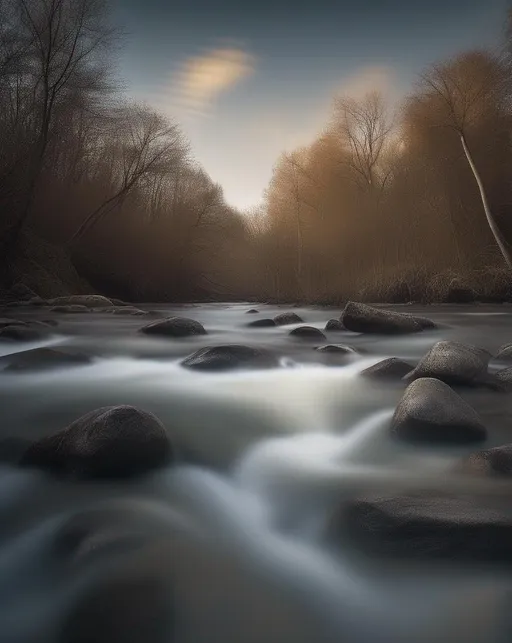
498, 236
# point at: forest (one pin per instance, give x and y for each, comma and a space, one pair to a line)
390, 203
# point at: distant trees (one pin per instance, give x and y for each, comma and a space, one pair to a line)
386, 204
111, 181
390, 208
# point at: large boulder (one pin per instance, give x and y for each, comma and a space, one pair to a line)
91, 301
453, 363
228, 357
40, 359
334, 325
288, 318
428, 526
174, 327
19, 333
307, 333
110, 442
361, 318
492, 463
430, 411
262, 323
390, 368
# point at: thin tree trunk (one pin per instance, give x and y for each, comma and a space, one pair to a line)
500, 240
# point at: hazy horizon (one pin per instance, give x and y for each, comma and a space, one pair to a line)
247, 82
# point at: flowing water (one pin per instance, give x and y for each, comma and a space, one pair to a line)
265, 458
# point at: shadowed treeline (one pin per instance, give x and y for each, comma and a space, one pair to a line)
388, 204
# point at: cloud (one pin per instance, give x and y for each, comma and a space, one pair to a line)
201, 79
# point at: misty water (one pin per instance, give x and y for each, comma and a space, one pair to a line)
265, 457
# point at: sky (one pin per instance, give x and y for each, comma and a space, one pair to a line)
247, 80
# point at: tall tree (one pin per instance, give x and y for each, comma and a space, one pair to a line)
468, 88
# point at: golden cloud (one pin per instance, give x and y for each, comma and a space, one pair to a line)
203, 78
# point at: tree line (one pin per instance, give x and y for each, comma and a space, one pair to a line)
389, 203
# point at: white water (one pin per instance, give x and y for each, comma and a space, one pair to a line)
266, 458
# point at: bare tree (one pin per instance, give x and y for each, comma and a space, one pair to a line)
467, 87
364, 127
63, 45
144, 144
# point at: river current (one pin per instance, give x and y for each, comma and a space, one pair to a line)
265, 457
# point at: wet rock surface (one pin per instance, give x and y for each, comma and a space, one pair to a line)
174, 327
262, 323
228, 357
454, 363
39, 359
110, 442
307, 333
334, 325
392, 368
430, 411
288, 318
361, 318
492, 463
426, 526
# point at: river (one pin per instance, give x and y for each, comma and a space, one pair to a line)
265, 456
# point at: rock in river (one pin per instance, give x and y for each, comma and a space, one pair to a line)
21, 333
262, 323
390, 368
174, 327
362, 318
493, 463
40, 359
334, 325
307, 332
228, 357
453, 363
429, 525
110, 442
288, 318
430, 411
505, 353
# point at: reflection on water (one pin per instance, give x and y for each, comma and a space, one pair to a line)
266, 456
